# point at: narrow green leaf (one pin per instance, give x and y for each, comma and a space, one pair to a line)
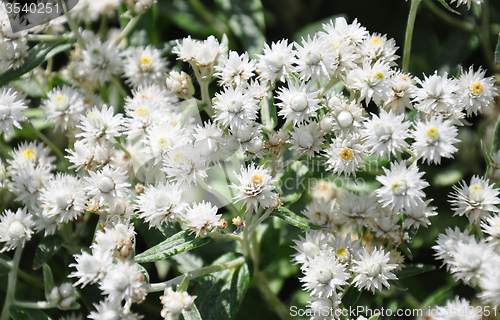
180, 242
144, 273
27, 314
219, 294
31, 87
439, 295
413, 270
292, 218
270, 242
351, 297
496, 138
403, 247
486, 153
497, 51
45, 250
37, 55
448, 7
48, 280
193, 314
373, 317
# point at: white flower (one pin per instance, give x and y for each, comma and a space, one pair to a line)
112, 310
235, 71
402, 186
185, 164
11, 110
91, 268
107, 184
142, 115
401, 93
419, 214
476, 92
347, 117
174, 303
376, 47
297, 103
447, 244
101, 59
325, 308
311, 246
490, 286
468, 260
202, 54
64, 107
491, 226
124, 281
34, 153
352, 33
277, 61
116, 236
307, 139
357, 210
458, 309
255, 187
346, 250
373, 270
15, 229
162, 138
235, 107
144, 66
437, 94
100, 125
63, 197
323, 275
370, 81
28, 181
316, 59
346, 155
212, 141
322, 213
180, 83
160, 204
155, 94
385, 224
202, 218
476, 201
434, 139
385, 134
467, 2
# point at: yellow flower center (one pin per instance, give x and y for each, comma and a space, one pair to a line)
476, 88
162, 142
178, 157
60, 99
28, 154
379, 75
341, 252
432, 132
142, 112
376, 41
345, 154
257, 179
145, 61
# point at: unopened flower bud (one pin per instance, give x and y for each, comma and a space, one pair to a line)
180, 83
139, 188
222, 224
238, 221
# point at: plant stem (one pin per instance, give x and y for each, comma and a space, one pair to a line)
270, 297
72, 25
119, 86
157, 287
465, 26
33, 305
11, 285
220, 196
47, 141
128, 29
409, 33
49, 37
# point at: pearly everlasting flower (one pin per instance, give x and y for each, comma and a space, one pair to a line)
11, 110
107, 184
490, 286
185, 164
107, 310
144, 66
180, 83
357, 210
235, 70
491, 226
118, 236
373, 269
202, 218
346, 155
385, 225
100, 125
101, 60
15, 229
255, 187
376, 47
28, 181
33, 153
401, 93
277, 61
91, 268
201, 53
434, 139
64, 107
297, 103
322, 213
347, 117
212, 141
124, 281
155, 95
419, 214
353, 33
476, 91
316, 59
235, 107
160, 139
476, 201
324, 275
446, 247
325, 308
470, 259
160, 204
458, 309
437, 94
174, 303
385, 134
467, 2
401, 186
311, 246
370, 81
346, 250
307, 139
63, 197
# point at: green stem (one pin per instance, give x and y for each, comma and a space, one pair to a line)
127, 30
47, 141
157, 287
23, 275
262, 218
49, 37
409, 33
11, 285
226, 236
270, 297
465, 26
33, 305
102, 27
72, 25
119, 86
229, 202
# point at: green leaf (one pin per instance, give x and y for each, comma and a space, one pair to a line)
27, 314
448, 7
414, 269
439, 295
270, 242
144, 273
219, 294
496, 138
351, 297
48, 280
45, 250
31, 87
403, 247
268, 112
193, 314
292, 218
486, 154
497, 51
37, 55
180, 242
